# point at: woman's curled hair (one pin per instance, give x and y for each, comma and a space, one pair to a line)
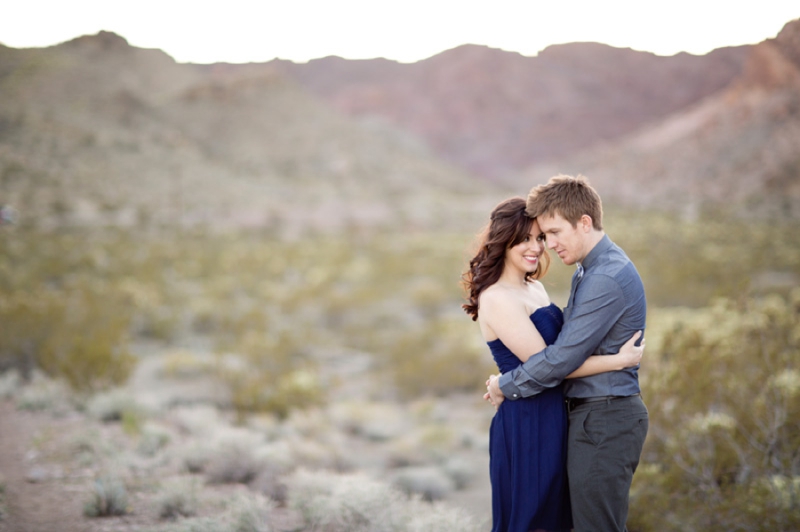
508, 226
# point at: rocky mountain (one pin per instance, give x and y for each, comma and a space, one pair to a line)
737, 150
495, 112
97, 131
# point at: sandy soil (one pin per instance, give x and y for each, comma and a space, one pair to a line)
39, 495
45, 484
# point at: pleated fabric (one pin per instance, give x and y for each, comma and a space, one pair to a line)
528, 448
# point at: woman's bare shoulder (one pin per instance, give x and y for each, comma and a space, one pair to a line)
496, 294
537, 286
539, 292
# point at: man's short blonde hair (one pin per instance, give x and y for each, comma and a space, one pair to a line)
571, 197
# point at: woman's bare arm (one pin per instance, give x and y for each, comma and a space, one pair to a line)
508, 318
629, 356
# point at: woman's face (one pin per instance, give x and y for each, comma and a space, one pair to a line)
525, 255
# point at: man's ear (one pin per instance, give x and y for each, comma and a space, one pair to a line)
586, 223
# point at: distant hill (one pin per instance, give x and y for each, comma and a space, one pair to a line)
495, 112
95, 131
737, 150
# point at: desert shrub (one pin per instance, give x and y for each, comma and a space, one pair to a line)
109, 497
112, 405
10, 382
152, 439
183, 364
723, 262
439, 517
28, 320
245, 513
430, 482
197, 420
270, 483
89, 449
250, 513
79, 337
44, 393
722, 448
460, 470
195, 524
2, 498
375, 421
441, 356
194, 458
179, 499
346, 503
88, 347
233, 463
357, 503
270, 376
64, 307
425, 444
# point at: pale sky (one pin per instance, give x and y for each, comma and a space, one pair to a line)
239, 31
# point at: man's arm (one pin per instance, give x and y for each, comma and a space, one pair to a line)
598, 304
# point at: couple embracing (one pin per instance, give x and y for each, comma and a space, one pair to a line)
570, 421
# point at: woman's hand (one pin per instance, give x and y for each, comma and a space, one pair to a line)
493, 393
631, 354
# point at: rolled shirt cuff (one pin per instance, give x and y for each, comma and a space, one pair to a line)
507, 386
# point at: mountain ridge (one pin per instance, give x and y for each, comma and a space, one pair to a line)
95, 131
736, 151
494, 112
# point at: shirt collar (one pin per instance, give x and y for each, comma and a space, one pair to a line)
600, 248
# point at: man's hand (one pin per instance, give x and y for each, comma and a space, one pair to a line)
493, 393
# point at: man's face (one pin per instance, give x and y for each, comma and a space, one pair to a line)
568, 242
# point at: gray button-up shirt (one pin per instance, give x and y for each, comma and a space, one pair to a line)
606, 307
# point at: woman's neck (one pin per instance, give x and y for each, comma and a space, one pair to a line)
513, 277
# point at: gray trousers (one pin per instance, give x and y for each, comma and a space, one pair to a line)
605, 443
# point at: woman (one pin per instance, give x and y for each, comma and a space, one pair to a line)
527, 444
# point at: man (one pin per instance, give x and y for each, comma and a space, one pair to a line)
608, 420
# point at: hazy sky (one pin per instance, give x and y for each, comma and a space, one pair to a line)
405, 30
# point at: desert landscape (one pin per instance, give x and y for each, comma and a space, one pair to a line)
230, 293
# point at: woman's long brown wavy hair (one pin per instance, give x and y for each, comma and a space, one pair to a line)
508, 226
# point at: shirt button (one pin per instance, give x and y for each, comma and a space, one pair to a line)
515, 395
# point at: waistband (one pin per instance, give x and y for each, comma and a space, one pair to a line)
574, 402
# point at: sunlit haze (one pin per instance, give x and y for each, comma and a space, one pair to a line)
240, 31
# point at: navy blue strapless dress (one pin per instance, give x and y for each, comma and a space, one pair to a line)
528, 448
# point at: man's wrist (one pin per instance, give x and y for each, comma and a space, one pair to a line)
510, 390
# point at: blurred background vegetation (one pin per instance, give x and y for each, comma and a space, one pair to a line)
721, 375
250, 274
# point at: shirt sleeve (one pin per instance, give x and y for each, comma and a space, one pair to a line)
599, 302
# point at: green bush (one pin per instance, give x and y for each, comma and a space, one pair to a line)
87, 347
725, 422
270, 375
80, 337
438, 357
